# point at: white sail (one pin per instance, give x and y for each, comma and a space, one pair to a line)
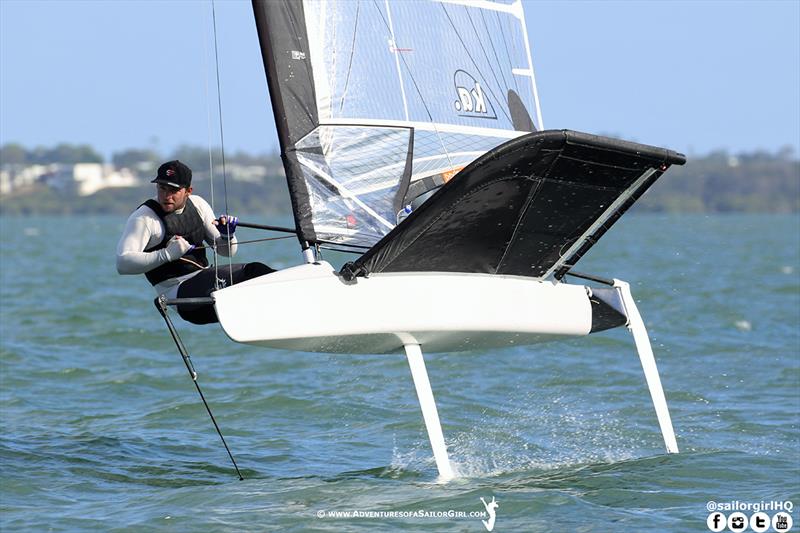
402, 95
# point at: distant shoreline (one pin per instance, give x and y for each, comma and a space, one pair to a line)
719, 182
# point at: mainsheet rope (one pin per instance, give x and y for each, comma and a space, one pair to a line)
253, 241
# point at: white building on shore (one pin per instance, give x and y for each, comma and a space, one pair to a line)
15, 177
83, 178
88, 178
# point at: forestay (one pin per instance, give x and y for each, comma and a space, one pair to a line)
377, 102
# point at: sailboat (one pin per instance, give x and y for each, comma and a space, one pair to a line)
411, 135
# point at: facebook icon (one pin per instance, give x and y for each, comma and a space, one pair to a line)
716, 521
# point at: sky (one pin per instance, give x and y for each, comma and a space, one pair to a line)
692, 76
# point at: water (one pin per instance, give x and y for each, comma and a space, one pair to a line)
103, 430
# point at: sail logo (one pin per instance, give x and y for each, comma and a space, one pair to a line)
471, 100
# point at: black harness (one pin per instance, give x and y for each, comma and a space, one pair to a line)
189, 225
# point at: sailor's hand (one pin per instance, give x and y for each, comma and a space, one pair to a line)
177, 247
226, 224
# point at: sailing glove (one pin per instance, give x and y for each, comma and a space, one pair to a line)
177, 247
226, 224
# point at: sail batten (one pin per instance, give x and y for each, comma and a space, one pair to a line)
425, 126
512, 7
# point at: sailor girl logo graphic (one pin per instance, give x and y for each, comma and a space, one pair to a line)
471, 99
490, 508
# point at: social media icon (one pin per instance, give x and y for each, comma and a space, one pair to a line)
759, 522
737, 522
782, 522
716, 522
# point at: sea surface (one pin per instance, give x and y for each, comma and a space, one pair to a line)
102, 429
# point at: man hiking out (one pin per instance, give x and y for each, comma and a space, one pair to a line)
164, 239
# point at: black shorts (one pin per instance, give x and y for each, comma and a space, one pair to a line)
203, 285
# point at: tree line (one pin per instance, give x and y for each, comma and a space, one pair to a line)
755, 182
133, 158
720, 181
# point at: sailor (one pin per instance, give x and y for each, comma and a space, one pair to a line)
164, 240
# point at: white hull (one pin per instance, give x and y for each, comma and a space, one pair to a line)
309, 308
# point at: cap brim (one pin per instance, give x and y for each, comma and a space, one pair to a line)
165, 182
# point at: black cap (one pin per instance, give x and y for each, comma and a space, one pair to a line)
175, 174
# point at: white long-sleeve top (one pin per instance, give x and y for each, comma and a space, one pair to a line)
144, 230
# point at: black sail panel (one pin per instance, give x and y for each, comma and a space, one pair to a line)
531, 207
285, 50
